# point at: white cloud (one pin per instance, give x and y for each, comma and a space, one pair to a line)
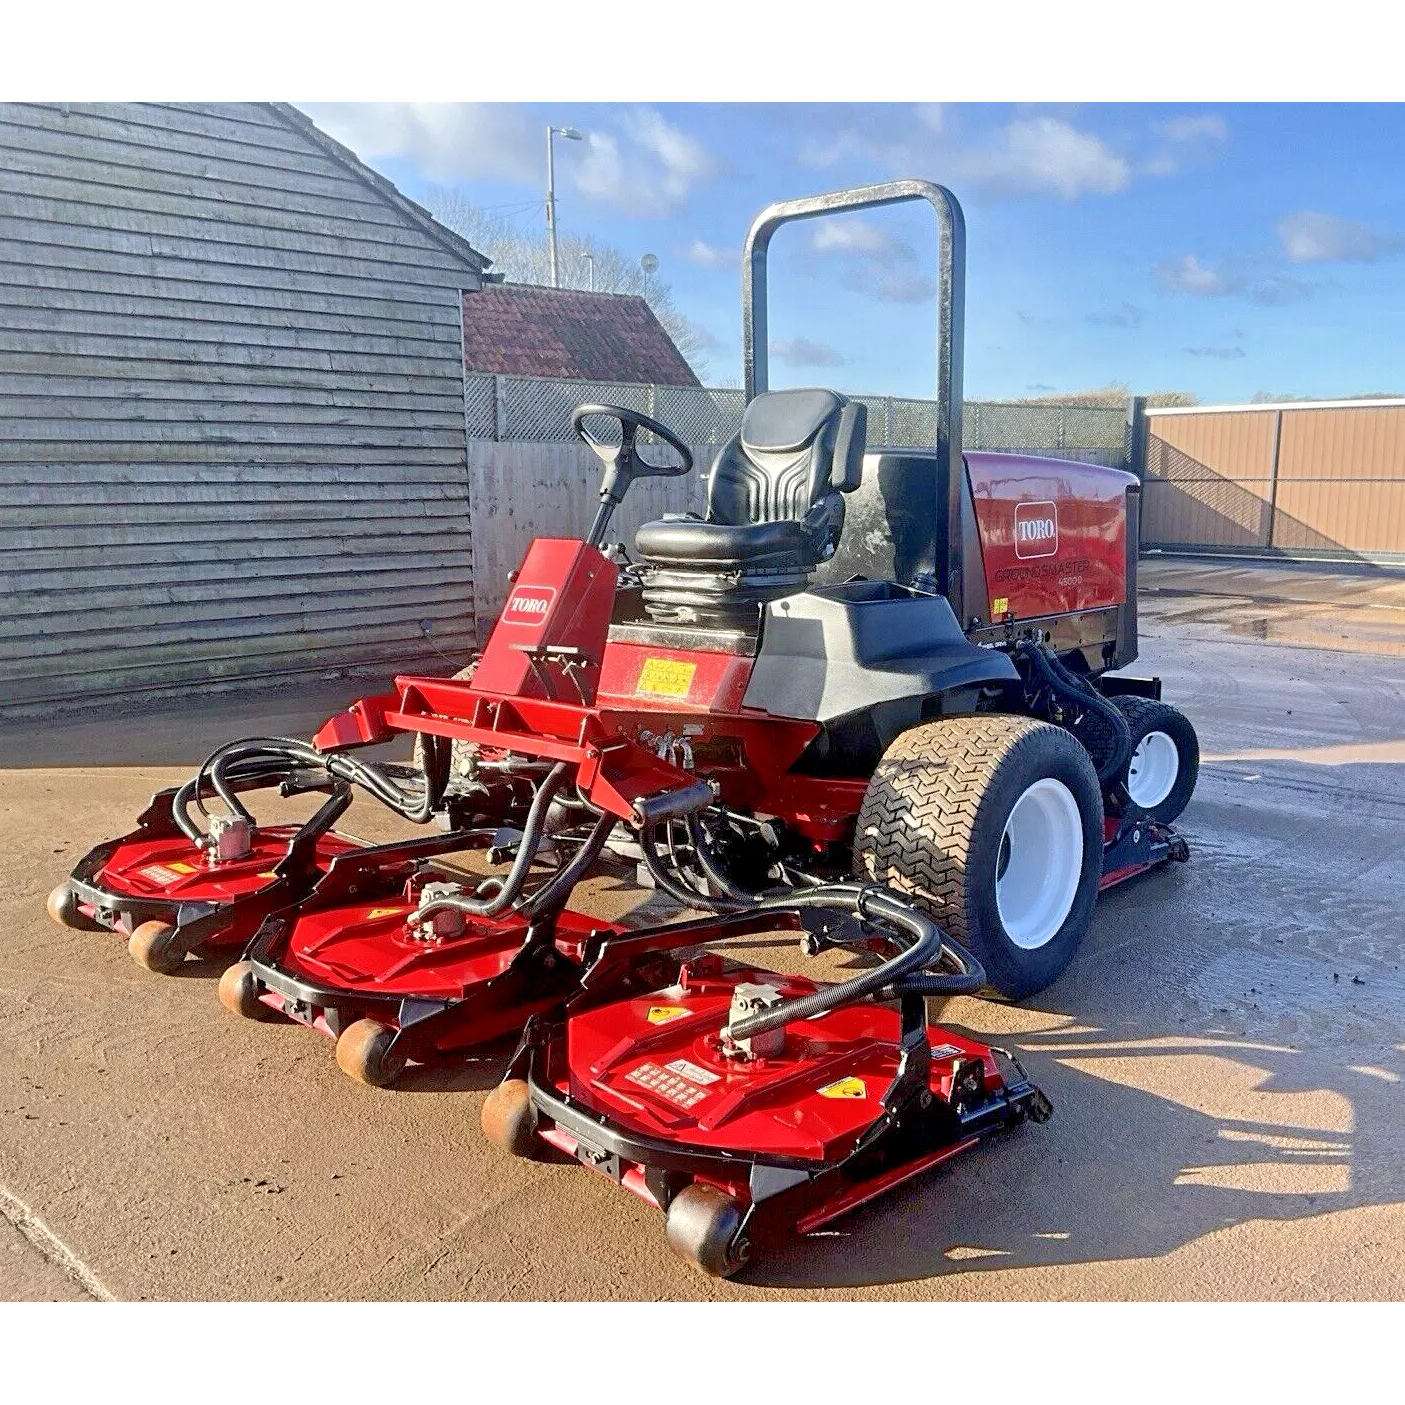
649, 169
1126, 315
1208, 126
1030, 155
642, 165
1187, 274
801, 351
1309, 236
1049, 155
879, 265
707, 255
933, 115
447, 141
856, 236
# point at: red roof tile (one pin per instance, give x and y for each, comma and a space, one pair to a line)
520, 330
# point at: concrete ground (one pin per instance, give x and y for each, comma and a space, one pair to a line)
1225, 1055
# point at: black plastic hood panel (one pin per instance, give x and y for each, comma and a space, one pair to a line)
835, 651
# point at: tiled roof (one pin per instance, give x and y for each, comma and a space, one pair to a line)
520, 330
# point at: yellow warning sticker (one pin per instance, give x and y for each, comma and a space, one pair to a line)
1001, 606
661, 1014
184, 868
383, 912
666, 678
269, 874
850, 1087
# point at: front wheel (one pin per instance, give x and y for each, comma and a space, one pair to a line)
993, 824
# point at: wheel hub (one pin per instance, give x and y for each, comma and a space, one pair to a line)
1042, 862
1152, 771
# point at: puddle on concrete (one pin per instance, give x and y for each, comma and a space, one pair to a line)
1341, 628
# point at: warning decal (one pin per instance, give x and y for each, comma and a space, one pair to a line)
160, 873
1000, 606
850, 1087
666, 678
685, 1069
945, 1051
667, 1085
383, 912
661, 1014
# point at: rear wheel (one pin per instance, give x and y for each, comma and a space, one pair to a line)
153, 947
703, 1228
993, 825
363, 1053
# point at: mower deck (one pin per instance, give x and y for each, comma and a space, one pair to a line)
641, 1090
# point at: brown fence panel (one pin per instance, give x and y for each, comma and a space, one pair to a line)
1209, 480
1341, 481
1325, 479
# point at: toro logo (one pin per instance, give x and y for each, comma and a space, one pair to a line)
1036, 529
529, 604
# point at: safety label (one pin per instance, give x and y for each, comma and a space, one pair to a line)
945, 1051
666, 678
850, 1087
667, 1085
1000, 606
661, 1014
691, 1071
383, 912
160, 873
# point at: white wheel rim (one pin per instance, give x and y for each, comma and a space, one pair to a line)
1152, 771
1039, 863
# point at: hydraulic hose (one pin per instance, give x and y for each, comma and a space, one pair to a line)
527, 848
253, 759
926, 945
667, 883
1063, 680
554, 892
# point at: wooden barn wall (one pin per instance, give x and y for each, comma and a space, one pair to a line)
231, 420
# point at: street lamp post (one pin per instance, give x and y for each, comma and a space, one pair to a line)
570, 134
590, 265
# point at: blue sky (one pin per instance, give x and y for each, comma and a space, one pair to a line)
1221, 250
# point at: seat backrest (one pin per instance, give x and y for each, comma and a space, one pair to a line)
796, 447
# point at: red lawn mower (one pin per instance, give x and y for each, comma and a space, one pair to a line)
894, 663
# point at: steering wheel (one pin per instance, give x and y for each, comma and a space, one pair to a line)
622, 462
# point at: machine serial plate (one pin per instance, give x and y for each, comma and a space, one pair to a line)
666, 678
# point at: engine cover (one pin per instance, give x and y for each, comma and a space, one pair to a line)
1053, 534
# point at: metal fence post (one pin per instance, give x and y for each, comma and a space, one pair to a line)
499, 408
1273, 480
1134, 438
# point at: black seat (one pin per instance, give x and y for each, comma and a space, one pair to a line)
775, 511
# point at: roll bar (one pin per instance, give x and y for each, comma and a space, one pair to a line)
951, 320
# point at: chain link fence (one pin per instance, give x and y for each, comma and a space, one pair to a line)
526, 409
